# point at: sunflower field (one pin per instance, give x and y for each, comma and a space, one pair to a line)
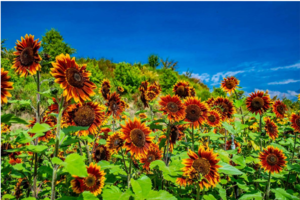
100, 130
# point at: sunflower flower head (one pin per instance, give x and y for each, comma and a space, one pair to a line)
272, 159
229, 84
258, 102
295, 120
181, 89
105, 88
114, 142
114, 105
279, 108
172, 107
195, 111
5, 86
152, 154
271, 128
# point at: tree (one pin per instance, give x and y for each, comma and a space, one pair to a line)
169, 64
53, 44
153, 61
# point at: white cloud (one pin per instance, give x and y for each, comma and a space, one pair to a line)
289, 94
215, 78
297, 66
284, 82
203, 77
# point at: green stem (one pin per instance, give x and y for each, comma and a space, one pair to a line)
198, 192
225, 140
287, 180
124, 161
193, 141
129, 173
268, 187
88, 152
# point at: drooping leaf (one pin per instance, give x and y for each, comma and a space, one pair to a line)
281, 194
74, 164
39, 128
142, 186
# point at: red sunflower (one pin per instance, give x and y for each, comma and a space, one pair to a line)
136, 137
101, 152
279, 108
115, 142
192, 92
5, 86
205, 163
271, 129
27, 60
105, 132
295, 120
210, 101
225, 107
272, 159
114, 105
213, 118
105, 89
74, 80
181, 89
155, 88
144, 86
94, 182
229, 84
150, 95
151, 155
90, 114
258, 102
173, 107
196, 111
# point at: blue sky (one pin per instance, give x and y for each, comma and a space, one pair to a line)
258, 42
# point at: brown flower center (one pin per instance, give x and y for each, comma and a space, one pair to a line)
257, 103
75, 78
84, 116
272, 159
27, 56
90, 181
117, 143
138, 137
270, 128
151, 158
211, 118
202, 166
180, 91
174, 134
230, 84
193, 112
151, 95
280, 109
173, 107
100, 154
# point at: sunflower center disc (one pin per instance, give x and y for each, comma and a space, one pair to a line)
193, 112
202, 166
173, 107
230, 84
280, 109
174, 134
84, 116
298, 121
151, 158
138, 137
117, 142
272, 159
113, 105
180, 91
257, 103
90, 180
100, 153
27, 56
212, 118
74, 78
105, 89
271, 128
151, 95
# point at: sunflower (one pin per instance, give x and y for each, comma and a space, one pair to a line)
124, 104
74, 80
50, 120
13, 158
213, 118
53, 108
94, 182
144, 100
115, 142
151, 155
271, 129
144, 86
120, 89
210, 101
225, 107
229, 84
150, 95
176, 134
142, 116
181, 89
192, 92
114, 105
101, 152
5, 86
272, 159
237, 145
90, 114
5, 128
136, 137
173, 107
279, 108
155, 88
295, 120
27, 60
196, 111
105, 88
205, 163
258, 102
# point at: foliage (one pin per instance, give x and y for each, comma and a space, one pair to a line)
168, 78
153, 61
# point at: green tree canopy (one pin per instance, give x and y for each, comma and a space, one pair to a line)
153, 61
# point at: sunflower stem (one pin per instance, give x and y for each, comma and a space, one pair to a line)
268, 187
58, 128
166, 146
198, 192
193, 141
129, 173
88, 152
287, 180
225, 140
124, 161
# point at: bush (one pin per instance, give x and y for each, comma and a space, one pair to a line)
167, 80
